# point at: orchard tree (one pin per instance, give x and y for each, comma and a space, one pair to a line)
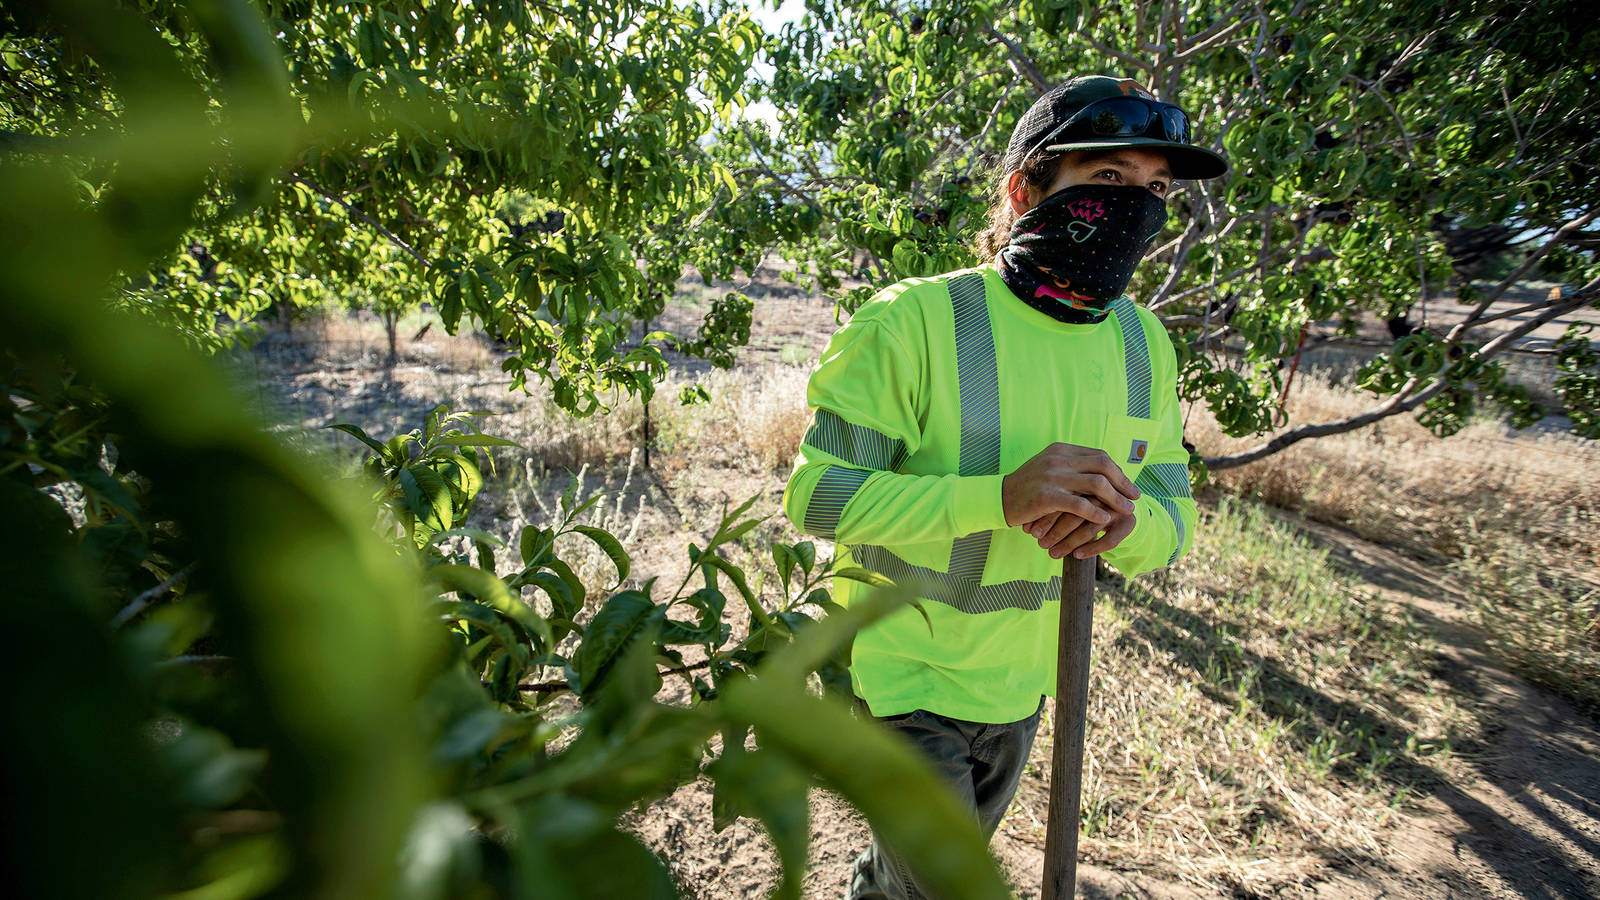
414, 136
1367, 140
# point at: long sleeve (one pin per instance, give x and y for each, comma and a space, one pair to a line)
1165, 511
869, 393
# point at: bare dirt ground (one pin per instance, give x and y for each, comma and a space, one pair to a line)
1527, 823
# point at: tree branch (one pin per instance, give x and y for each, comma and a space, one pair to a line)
1401, 402
145, 599
1206, 44
1225, 23
1405, 136
556, 687
1527, 265
988, 125
965, 82
359, 214
1021, 62
1132, 62
1186, 244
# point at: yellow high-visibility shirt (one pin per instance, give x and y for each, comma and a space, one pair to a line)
932, 393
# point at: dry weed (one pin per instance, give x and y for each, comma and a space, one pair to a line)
755, 419
619, 508
1253, 715
1516, 516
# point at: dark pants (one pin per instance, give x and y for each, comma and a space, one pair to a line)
983, 762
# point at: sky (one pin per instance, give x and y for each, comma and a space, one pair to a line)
771, 20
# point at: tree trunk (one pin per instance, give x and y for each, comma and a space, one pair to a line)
391, 325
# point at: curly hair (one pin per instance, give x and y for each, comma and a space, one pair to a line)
1039, 171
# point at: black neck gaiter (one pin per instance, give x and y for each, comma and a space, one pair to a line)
1072, 255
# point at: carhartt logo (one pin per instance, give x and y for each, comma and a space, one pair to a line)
1136, 455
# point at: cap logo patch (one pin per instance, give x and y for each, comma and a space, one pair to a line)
1131, 88
1137, 452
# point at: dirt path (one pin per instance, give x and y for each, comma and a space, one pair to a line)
1527, 822
1524, 822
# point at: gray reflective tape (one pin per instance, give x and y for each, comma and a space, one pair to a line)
967, 557
1164, 479
976, 377
943, 587
979, 384
1135, 357
1177, 524
857, 445
834, 489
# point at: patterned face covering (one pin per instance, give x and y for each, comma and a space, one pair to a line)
1074, 253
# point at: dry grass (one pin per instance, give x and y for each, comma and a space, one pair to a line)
330, 338
1515, 517
1254, 715
755, 420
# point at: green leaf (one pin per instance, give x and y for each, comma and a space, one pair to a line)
625, 617
563, 605
471, 735
427, 496
569, 578
567, 848
476, 440
358, 434
784, 559
769, 786
486, 619
731, 528
211, 773
395, 452
709, 630
583, 506
880, 774
535, 541
608, 545
492, 592
440, 848
807, 553
462, 476
736, 575
865, 576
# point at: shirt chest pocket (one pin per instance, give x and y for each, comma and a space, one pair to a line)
1128, 440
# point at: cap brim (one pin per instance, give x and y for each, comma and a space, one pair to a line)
1187, 161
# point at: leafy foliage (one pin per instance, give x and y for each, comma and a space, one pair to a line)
255, 692
535, 170
1366, 141
547, 173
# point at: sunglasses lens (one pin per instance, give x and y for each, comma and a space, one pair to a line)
1119, 117
1175, 124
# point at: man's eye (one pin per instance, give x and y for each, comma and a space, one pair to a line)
1109, 173
1157, 187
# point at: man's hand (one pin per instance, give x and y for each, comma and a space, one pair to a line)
1062, 533
1066, 496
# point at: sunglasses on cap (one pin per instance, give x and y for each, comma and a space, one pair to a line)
1122, 117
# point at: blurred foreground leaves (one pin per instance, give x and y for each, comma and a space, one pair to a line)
226, 683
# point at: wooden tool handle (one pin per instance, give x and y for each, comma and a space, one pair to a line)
1072, 701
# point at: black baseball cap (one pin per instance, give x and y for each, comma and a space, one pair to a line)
1061, 102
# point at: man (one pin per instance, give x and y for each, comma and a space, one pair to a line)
973, 428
